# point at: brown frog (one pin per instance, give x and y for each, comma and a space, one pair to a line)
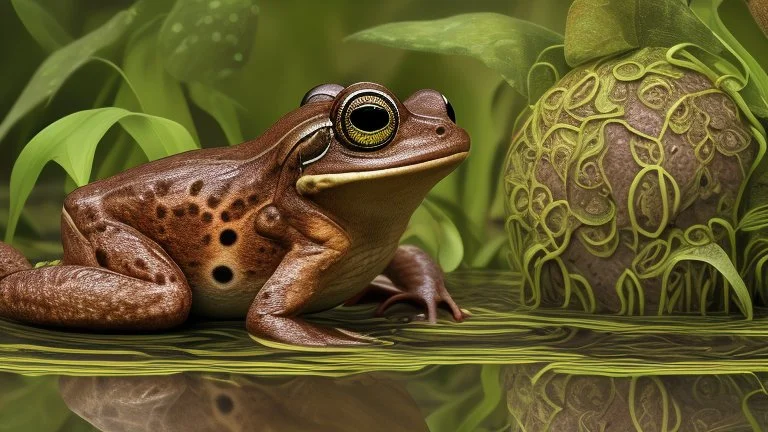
298, 220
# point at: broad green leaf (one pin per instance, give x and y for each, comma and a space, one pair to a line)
438, 234
156, 92
52, 73
43, 27
715, 256
756, 92
207, 40
71, 142
507, 45
221, 107
601, 28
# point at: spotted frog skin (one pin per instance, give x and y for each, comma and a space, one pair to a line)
299, 220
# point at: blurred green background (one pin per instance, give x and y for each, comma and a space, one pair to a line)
278, 50
295, 46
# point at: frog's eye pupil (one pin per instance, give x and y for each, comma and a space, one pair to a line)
366, 120
369, 118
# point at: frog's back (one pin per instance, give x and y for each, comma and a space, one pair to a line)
200, 207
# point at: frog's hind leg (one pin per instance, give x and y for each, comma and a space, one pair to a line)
113, 277
11, 260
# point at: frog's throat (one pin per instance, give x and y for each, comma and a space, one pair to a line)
312, 184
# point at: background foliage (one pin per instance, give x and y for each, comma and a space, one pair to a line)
145, 57
227, 69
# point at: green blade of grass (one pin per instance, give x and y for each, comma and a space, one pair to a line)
43, 27
219, 106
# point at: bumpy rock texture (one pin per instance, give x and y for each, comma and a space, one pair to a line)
621, 164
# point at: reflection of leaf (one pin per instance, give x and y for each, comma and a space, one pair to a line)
61, 64
438, 235
601, 28
43, 27
221, 107
505, 44
23, 399
205, 41
71, 142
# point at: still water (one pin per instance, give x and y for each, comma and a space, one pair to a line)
504, 369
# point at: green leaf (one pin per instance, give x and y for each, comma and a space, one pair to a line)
490, 250
602, 28
52, 73
156, 92
507, 45
438, 234
715, 256
207, 41
756, 92
43, 27
71, 142
221, 107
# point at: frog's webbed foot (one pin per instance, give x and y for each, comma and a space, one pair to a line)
412, 276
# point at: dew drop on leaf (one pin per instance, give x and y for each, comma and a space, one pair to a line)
189, 40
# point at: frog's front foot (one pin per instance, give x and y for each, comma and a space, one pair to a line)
412, 276
273, 315
295, 331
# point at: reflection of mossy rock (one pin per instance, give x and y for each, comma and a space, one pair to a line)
621, 165
562, 402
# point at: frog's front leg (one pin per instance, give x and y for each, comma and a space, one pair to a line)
316, 244
113, 277
412, 276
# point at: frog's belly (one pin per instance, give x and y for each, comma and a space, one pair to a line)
232, 300
352, 275
229, 301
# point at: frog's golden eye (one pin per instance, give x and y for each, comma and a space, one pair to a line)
367, 120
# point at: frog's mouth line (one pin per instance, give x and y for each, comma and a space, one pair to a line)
312, 184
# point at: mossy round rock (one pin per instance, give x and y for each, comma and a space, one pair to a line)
621, 167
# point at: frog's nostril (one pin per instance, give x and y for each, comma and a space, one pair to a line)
449, 109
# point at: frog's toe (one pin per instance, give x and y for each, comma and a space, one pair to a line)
278, 331
430, 299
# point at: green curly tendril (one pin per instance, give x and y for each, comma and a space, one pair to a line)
643, 160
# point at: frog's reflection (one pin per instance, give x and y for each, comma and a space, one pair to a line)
186, 402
